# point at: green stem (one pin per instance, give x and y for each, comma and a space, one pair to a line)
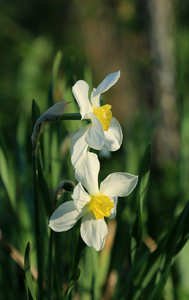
37, 226
73, 116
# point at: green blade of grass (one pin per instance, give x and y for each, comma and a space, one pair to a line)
44, 189
137, 231
55, 68
35, 112
152, 273
7, 175
27, 268
72, 283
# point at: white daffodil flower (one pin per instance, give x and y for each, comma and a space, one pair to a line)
91, 203
103, 131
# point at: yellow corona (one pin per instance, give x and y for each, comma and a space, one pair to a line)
104, 115
101, 206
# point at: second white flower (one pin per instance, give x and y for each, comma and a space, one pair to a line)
92, 203
104, 131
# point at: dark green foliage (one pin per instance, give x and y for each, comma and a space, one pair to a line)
95, 39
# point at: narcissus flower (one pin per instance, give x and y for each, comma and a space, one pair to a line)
91, 203
103, 131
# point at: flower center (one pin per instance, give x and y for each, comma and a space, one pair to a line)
104, 115
101, 206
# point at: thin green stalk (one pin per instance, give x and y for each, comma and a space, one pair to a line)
74, 116
37, 226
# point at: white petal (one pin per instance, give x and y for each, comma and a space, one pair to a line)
93, 231
95, 136
107, 83
114, 136
118, 184
114, 209
80, 91
64, 217
95, 100
78, 145
80, 196
86, 172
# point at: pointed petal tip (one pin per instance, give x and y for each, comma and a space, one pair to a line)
118, 73
118, 184
50, 226
115, 75
107, 83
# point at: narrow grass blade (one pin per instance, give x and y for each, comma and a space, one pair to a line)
142, 186
152, 272
55, 68
72, 283
7, 175
44, 189
56, 65
27, 268
35, 112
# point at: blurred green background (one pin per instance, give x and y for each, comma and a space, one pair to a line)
148, 40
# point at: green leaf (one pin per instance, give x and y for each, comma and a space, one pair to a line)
55, 68
35, 135
89, 285
55, 162
72, 282
27, 268
79, 251
142, 187
7, 175
56, 65
35, 112
145, 173
153, 273
44, 189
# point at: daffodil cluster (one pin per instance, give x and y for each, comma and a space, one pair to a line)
92, 202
